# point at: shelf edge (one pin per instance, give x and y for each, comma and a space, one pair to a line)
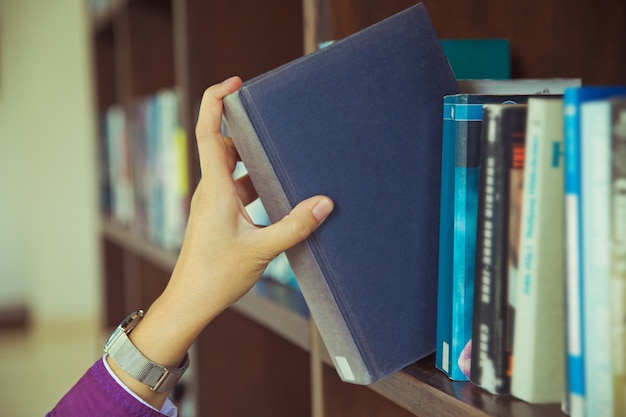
121, 236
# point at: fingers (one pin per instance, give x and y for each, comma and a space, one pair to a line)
299, 224
208, 129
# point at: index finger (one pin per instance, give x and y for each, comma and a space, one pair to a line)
208, 127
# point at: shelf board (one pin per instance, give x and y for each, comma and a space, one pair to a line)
122, 236
278, 308
419, 388
423, 389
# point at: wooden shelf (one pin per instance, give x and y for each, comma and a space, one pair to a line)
420, 388
129, 240
278, 308
426, 391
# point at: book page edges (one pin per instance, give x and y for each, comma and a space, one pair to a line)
333, 328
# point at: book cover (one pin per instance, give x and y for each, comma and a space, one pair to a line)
478, 58
359, 121
462, 127
539, 339
572, 99
501, 180
618, 253
595, 142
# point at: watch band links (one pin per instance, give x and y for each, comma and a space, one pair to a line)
158, 378
132, 361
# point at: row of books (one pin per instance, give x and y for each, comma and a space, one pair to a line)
532, 236
144, 179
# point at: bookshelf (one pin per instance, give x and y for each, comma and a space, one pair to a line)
264, 356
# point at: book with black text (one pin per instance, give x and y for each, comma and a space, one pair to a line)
499, 207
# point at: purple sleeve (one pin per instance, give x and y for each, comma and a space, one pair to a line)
98, 394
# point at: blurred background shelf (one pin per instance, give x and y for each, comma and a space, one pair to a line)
263, 356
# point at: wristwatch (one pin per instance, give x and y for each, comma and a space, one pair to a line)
159, 378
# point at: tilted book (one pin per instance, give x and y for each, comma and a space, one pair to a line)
361, 122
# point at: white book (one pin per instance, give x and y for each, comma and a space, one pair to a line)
595, 182
539, 336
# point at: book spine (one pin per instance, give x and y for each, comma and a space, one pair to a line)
484, 333
515, 158
104, 167
466, 178
575, 329
538, 362
120, 175
497, 243
618, 255
443, 355
595, 157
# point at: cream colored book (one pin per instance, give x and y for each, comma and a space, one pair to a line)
538, 351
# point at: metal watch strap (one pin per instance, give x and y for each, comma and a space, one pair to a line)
159, 378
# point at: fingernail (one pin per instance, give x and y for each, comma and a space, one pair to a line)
228, 79
322, 209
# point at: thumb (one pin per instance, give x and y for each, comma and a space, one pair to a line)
296, 226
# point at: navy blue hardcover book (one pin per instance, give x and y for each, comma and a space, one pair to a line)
361, 122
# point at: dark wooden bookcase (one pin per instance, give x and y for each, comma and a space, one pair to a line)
264, 356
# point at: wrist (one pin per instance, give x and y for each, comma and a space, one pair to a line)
143, 361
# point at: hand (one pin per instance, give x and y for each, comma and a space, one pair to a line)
224, 253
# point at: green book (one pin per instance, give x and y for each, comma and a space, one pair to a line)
478, 58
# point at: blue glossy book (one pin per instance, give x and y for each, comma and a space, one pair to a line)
359, 121
573, 98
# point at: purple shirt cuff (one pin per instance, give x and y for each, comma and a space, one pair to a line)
98, 394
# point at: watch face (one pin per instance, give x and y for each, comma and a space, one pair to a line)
125, 326
131, 321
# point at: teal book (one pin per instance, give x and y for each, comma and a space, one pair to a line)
473, 59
